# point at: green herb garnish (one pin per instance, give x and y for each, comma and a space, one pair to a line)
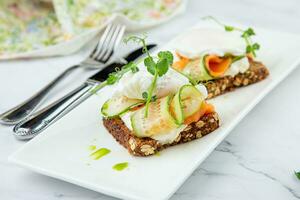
117, 75
157, 66
251, 47
297, 174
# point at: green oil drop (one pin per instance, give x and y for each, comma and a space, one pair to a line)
120, 166
92, 147
100, 153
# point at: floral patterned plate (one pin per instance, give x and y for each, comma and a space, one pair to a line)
33, 28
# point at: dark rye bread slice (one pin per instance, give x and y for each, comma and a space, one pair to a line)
256, 72
148, 146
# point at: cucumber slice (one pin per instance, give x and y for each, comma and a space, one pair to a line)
176, 108
205, 73
158, 121
186, 102
191, 100
119, 105
196, 70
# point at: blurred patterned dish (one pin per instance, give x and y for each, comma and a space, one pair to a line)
32, 28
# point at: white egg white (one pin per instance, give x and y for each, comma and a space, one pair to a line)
200, 42
132, 85
209, 40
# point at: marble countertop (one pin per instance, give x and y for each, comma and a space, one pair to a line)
256, 161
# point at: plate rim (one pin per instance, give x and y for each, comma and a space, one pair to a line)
13, 158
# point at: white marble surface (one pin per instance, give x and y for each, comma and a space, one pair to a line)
256, 161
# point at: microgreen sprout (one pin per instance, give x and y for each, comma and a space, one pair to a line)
156, 66
251, 47
117, 75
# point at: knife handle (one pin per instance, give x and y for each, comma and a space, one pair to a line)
21, 111
36, 123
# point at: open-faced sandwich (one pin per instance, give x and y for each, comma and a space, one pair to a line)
162, 102
154, 106
220, 59
176, 118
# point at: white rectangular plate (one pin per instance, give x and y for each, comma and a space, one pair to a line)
62, 150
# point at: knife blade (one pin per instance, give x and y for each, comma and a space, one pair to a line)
38, 122
103, 74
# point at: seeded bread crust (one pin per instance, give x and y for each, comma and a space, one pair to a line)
256, 72
148, 146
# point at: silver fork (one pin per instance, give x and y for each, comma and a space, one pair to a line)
99, 56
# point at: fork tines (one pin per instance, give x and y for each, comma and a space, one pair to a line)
109, 40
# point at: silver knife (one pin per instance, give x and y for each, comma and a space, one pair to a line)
38, 122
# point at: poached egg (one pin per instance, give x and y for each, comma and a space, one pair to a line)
202, 41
